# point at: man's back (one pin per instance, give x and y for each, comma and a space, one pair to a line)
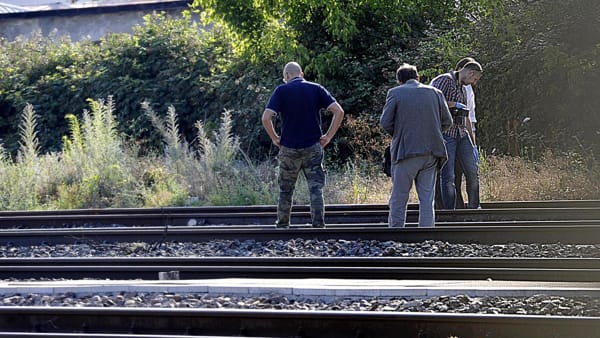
414, 115
299, 102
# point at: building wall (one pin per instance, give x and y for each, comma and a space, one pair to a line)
84, 23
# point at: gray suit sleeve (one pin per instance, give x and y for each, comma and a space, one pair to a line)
389, 113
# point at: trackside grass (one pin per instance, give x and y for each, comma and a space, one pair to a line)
97, 168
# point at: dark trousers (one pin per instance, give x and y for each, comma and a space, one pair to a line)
458, 175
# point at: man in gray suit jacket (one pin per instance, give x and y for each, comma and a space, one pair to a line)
415, 115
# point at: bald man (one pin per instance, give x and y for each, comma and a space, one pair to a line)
299, 104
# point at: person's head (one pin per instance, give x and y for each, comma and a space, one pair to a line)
406, 72
462, 62
470, 73
292, 70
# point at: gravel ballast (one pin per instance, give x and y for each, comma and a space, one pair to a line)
303, 248
534, 305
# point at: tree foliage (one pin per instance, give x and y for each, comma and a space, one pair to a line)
540, 63
542, 70
351, 47
167, 61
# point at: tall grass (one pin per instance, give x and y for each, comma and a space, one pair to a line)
555, 176
166, 179
21, 178
98, 169
214, 172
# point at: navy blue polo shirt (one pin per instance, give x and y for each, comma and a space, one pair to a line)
299, 102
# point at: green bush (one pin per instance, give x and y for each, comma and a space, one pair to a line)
234, 65
541, 71
540, 61
169, 61
98, 168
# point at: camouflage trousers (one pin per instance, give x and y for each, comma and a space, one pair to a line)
310, 161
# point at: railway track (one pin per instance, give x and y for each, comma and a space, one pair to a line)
576, 222
575, 233
287, 323
456, 268
265, 215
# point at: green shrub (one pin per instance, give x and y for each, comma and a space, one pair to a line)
170, 61
101, 166
97, 169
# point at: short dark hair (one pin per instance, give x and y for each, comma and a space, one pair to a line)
406, 72
462, 62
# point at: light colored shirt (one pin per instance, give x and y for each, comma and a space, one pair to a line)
471, 102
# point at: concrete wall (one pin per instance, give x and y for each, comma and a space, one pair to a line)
84, 23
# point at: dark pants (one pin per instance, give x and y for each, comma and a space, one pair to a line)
460, 149
439, 204
458, 175
460, 202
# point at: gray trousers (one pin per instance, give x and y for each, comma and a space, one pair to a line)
422, 171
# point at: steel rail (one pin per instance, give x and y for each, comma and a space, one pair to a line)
115, 221
461, 262
251, 216
151, 272
290, 323
575, 234
304, 208
546, 269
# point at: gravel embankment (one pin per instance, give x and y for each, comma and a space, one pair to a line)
534, 305
303, 248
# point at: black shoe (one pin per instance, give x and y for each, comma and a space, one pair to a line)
319, 225
282, 225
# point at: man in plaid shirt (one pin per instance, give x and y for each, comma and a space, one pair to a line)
458, 138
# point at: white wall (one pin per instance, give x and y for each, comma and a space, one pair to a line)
34, 2
92, 23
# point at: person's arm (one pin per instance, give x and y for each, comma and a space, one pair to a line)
445, 116
267, 122
336, 122
388, 116
447, 86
